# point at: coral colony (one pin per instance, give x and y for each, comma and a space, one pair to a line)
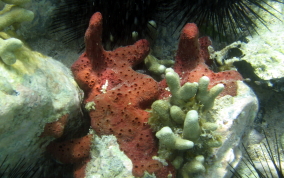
119, 100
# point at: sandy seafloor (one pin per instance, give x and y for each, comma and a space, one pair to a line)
271, 112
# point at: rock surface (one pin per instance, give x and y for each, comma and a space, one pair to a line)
35, 90
235, 116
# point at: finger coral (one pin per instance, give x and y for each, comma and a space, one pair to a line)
7, 49
13, 14
181, 124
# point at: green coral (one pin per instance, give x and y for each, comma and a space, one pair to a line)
7, 49
191, 127
181, 95
185, 135
205, 96
90, 106
14, 14
16, 56
172, 141
157, 67
193, 167
16, 2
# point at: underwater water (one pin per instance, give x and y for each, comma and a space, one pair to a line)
76, 102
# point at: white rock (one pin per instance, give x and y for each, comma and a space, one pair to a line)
34, 91
235, 116
265, 49
107, 160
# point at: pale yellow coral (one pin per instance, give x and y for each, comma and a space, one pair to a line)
13, 14
7, 48
16, 2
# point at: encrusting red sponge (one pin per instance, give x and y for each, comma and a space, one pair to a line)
55, 129
71, 151
121, 96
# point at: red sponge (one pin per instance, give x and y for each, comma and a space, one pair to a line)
192, 59
121, 96
71, 151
